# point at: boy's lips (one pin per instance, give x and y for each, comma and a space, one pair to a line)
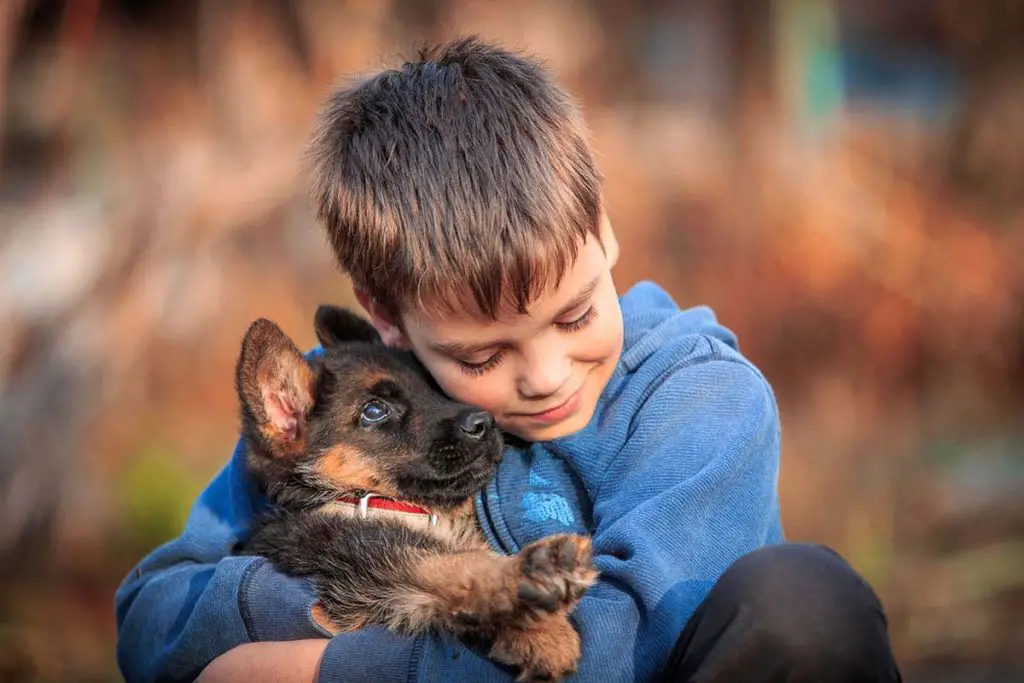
559, 412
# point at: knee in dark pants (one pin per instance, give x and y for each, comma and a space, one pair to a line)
792, 613
813, 611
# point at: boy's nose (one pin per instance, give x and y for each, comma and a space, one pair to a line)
545, 377
474, 424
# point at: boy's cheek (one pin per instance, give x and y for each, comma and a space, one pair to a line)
606, 337
477, 391
456, 384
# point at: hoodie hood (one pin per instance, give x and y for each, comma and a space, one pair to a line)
651, 319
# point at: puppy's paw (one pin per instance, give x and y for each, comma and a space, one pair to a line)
546, 650
556, 572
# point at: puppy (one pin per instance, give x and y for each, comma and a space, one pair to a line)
371, 472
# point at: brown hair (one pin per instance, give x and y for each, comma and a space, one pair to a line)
465, 173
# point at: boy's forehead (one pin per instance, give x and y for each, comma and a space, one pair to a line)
458, 317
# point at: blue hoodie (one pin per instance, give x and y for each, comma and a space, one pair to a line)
674, 478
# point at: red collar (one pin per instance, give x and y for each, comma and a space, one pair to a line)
372, 501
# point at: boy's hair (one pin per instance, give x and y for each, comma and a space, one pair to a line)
467, 172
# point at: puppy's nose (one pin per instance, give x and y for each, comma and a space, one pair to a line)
474, 424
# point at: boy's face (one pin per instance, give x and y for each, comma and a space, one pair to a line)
539, 374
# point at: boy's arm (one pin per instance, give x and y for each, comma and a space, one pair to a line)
693, 489
294, 661
189, 600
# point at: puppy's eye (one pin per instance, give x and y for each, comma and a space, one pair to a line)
374, 413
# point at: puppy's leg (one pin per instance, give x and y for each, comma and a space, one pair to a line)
519, 603
458, 591
386, 574
359, 568
546, 648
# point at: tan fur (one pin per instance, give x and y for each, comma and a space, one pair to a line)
323, 620
546, 649
460, 529
478, 590
272, 373
479, 583
370, 379
463, 591
349, 470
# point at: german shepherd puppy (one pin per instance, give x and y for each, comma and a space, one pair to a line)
371, 472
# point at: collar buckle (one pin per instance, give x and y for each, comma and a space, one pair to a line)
364, 505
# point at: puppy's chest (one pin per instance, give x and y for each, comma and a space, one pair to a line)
458, 529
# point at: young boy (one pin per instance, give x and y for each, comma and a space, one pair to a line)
460, 194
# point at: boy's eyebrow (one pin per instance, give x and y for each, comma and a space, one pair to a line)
581, 297
460, 349
463, 349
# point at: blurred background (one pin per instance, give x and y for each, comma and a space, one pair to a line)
843, 181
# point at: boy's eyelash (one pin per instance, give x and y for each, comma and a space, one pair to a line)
481, 368
492, 362
580, 322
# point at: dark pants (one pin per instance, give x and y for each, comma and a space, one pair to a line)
789, 613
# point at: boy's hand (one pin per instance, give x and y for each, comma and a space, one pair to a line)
295, 661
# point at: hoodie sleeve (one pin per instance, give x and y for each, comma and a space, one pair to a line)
190, 600
692, 490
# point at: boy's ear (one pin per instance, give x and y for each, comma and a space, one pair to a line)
276, 387
388, 328
335, 325
608, 240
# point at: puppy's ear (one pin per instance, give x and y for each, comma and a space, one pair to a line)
276, 387
335, 325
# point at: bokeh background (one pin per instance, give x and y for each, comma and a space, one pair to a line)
843, 181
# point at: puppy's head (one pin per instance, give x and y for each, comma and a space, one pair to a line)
359, 418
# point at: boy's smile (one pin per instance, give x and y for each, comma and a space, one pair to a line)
540, 374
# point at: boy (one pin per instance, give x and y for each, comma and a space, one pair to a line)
460, 194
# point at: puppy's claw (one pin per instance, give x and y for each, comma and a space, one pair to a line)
538, 596
556, 572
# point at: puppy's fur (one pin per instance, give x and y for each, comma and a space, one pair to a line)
363, 418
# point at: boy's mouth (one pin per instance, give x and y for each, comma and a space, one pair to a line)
558, 412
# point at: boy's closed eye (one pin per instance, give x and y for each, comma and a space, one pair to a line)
482, 367
579, 321
575, 323
477, 358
